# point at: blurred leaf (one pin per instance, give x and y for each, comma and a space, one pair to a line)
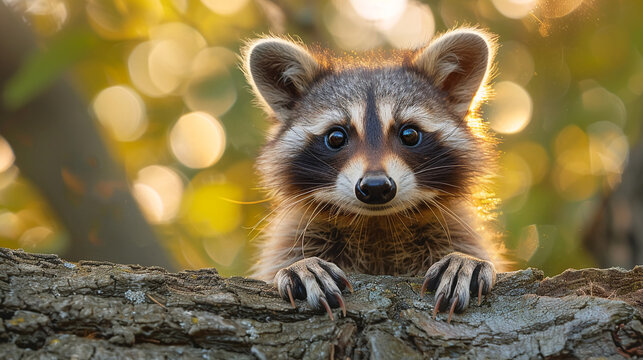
43, 67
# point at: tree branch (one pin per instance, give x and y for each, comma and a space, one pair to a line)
53, 308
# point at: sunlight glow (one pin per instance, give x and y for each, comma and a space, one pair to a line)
122, 111
510, 109
197, 140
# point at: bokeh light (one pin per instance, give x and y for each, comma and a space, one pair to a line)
536, 158
122, 111
516, 62
514, 9
609, 150
174, 47
47, 16
384, 12
209, 209
224, 249
197, 140
211, 87
115, 19
573, 172
510, 109
8, 177
10, 225
35, 236
529, 242
362, 25
558, 8
635, 83
150, 202
139, 70
159, 191
602, 104
6, 155
414, 28
515, 176
225, 7
349, 31
164, 82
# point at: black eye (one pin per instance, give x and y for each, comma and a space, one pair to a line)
410, 136
336, 138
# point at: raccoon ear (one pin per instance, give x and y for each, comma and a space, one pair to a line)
280, 72
458, 63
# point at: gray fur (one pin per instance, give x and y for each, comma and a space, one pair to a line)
435, 86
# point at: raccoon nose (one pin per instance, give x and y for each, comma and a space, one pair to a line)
375, 188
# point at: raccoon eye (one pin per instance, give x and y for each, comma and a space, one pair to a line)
410, 136
336, 138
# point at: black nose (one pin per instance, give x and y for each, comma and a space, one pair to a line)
375, 188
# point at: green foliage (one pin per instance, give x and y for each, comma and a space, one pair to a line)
44, 66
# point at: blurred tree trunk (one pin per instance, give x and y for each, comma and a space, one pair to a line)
51, 309
615, 236
58, 147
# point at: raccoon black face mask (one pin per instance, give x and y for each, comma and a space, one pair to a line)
377, 168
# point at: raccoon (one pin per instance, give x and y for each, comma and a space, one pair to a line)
376, 166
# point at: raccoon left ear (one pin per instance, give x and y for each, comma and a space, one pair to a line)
458, 63
280, 72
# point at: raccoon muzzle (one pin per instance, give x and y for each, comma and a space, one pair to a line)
375, 188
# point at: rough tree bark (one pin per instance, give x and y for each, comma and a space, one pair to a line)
50, 308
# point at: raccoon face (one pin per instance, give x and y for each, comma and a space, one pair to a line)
372, 140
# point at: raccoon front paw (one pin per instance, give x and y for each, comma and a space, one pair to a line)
319, 282
453, 279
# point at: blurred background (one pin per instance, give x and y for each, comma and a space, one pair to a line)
128, 132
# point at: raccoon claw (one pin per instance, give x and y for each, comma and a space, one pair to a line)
318, 281
480, 286
438, 301
340, 300
453, 304
292, 300
453, 279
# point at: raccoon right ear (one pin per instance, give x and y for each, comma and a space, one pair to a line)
458, 63
280, 72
